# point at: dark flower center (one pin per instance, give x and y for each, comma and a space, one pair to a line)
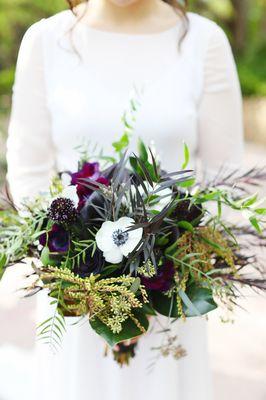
120, 237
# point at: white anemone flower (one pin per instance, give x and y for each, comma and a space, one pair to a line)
115, 241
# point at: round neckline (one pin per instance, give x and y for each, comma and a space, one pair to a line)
124, 34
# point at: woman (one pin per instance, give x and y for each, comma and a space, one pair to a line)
74, 78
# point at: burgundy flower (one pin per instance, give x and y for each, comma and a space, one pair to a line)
88, 170
92, 172
163, 280
57, 239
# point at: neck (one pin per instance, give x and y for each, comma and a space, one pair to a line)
111, 13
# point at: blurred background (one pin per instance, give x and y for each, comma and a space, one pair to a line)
237, 350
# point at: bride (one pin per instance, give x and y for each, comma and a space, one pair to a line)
75, 74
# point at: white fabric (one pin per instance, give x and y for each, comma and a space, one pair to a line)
61, 98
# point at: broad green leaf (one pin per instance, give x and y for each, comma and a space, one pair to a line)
148, 309
202, 300
192, 309
196, 301
164, 305
129, 331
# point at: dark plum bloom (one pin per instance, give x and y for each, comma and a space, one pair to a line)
88, 170
186, 211
92, 172
57, 239
62, 211
91, 264
163, 280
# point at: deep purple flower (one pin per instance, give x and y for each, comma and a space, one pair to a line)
185, 210
163, 280
91, 264
92, 172
57, 239
62, 211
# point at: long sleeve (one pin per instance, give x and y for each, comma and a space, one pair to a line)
220, 111
30, 151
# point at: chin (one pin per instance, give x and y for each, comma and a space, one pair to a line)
123, 3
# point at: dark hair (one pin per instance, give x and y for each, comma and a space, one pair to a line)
180, 7
174, 3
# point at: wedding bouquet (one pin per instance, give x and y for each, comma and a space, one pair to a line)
125, 243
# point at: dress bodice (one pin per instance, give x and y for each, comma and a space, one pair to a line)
73, 86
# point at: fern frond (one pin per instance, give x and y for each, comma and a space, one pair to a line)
51, 330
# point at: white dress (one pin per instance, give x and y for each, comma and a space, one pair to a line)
60, 99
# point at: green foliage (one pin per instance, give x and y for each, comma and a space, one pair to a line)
130, 329
244, 23
18, 234
51, 330
201, 298
6, 80
252, 72
186, 156
3, 261
196, 301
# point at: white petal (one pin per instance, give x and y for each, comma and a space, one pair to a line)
134, 238
164, 197
66, 179
114, 255
70, 192
104, 238
124, 223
